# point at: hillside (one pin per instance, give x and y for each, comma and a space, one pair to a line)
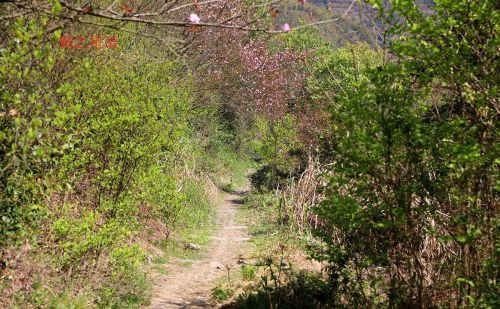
348, 28
344, 5
354, 23
244, 155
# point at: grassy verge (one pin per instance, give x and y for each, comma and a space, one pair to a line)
232, 170
227, 173
196, 227
276, 273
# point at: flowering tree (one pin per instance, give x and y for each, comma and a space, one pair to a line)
160, 18
256, 74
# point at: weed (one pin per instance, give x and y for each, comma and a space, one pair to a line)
248, 272
220, 294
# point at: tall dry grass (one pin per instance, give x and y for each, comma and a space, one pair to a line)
301, 194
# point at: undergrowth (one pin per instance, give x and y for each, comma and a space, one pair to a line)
276, 272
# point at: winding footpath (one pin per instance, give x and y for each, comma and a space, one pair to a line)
190, 286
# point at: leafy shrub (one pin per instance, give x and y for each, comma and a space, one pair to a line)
408, 212
278, 149
127, 284
84, 144
126, 129
248, 272
301, 290
31, 137
160, 190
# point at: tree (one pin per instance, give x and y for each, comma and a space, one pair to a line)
412, 203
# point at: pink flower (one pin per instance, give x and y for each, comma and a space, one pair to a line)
286, 28
195, 19
13, 112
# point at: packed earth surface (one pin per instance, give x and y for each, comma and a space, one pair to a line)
190, 286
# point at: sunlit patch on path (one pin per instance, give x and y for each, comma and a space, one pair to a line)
190, 286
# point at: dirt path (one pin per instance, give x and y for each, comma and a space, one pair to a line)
190, 286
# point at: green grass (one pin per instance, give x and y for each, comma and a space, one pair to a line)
42, 296
159, 264
196, 226
272, 243
162, 259
233, 169
221, 294
160, 269
248, 272
174, 249
261, 214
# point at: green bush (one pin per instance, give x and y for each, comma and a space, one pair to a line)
248, 272
84, 144
409, 208
160, 190
127, 284
278, 150
125, 129
31, 135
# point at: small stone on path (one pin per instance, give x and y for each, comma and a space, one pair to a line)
216, 265
191, 246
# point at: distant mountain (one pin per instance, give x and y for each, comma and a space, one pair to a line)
350, 26
347, 27
344, 5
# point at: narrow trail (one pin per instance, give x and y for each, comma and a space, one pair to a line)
190, 286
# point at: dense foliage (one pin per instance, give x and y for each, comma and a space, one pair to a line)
96, 151
378, 149
412, 204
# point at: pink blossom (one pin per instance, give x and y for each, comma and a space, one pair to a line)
194, 18
286, 28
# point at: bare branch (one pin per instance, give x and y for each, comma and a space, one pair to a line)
14, 16
184, 24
